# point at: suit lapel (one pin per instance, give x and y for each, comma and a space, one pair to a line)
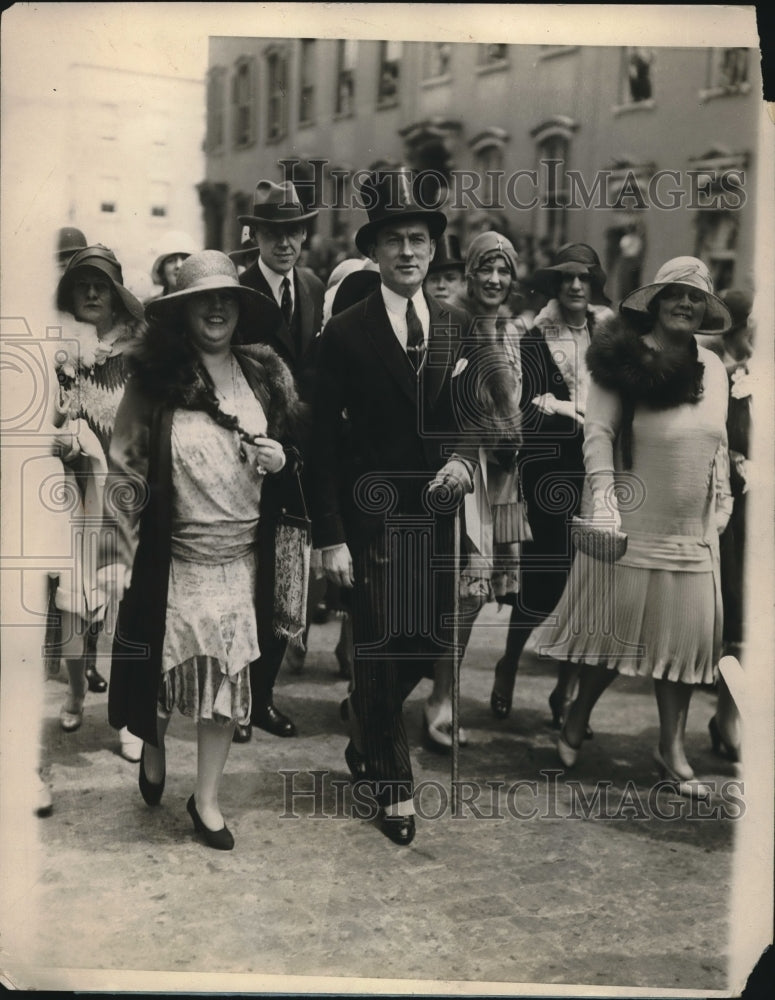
283, 334
305, 306
387, 346
440, 352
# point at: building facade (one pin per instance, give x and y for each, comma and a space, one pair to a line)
644, 153
133, 169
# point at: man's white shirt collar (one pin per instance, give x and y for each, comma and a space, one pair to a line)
396, 309
275, 281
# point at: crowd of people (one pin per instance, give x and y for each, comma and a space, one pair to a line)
258, 446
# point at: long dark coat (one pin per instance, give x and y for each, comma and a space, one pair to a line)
140, 462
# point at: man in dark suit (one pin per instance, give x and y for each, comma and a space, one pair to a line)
278, 230
385, 369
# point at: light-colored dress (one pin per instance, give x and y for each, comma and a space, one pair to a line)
211, 633
657, 611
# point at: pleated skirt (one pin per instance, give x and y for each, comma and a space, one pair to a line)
639, 621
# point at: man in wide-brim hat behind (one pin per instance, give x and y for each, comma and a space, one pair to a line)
277, 228
387, 363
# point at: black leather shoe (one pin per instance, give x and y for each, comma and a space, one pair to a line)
150, 792
356, 762
400, 829
272, 720
242, 734
96, 681
221, 840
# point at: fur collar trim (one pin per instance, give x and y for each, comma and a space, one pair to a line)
620, 360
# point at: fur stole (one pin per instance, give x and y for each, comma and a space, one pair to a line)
169, 372
619, 360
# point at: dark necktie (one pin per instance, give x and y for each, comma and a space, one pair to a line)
415, 342
285, 303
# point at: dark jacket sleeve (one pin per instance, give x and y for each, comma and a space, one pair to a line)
127, 489
325, 458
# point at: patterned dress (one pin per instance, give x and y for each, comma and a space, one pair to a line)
211, 634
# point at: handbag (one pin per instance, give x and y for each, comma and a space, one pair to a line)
293, 546
599, 543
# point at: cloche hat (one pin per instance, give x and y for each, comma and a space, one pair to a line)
104, 260
69, 241
488, 243
171, 245
390, 196
208, 271
277, 204
693, 273
573, 258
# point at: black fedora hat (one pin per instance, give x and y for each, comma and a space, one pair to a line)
277, 204
390, 196
447, 254
572, 258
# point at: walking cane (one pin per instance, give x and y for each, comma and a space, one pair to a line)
455, 662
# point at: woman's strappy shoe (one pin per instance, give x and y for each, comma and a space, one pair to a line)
688, 788
500, 704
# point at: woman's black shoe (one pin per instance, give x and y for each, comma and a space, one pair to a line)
720, 748
400, 829
151, 792
221, 840
558, 707
95, 680
500, 705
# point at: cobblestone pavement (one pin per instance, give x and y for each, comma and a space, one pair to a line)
534, 883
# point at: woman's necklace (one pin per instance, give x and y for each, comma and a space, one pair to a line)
226, 387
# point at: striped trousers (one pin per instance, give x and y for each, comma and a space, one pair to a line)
395, 611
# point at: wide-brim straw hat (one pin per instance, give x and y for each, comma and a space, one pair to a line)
688, 271
389, 196
276, 204
104, 260
573, 259
171, 245
209, 271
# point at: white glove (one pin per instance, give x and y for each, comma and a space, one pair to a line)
605, 511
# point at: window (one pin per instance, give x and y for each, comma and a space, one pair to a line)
158, 129
437, 57
727, 73
345, 76
488, 149
636, 85
216, 98
553, 140
243, 99
339, 215
108, 195
277, 106
389, 72
717, 234
160, 198
492, 56
307, 75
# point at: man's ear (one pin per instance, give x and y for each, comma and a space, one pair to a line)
372, 253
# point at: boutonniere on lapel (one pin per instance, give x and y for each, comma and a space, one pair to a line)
460, 366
